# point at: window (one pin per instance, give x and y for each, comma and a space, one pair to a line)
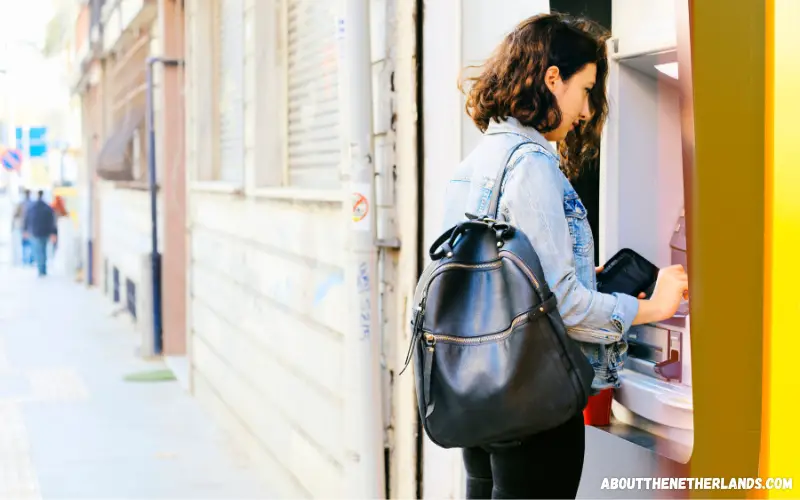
230, 90
297, 122
314, 135
123, 155
217, 90
266, 96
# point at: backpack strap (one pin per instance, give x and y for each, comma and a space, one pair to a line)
494, 200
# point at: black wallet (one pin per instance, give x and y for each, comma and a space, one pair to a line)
629, 273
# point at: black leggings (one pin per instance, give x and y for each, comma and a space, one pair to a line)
547, 465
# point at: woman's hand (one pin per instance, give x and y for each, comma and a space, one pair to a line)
599, 269
672, 286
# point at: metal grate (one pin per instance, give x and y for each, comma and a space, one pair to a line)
314, 140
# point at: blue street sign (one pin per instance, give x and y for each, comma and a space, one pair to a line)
32, 141
37, 150
37, 142
37, 133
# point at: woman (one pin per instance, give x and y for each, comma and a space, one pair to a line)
546, 83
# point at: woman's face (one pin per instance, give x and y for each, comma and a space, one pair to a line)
572, 97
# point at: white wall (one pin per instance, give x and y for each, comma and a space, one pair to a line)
266, 301
264, 308
267, 331
643, 26
126, 234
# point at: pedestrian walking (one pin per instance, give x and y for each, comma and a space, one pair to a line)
40, 228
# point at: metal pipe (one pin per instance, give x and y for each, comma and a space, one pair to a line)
155, 258
364, 472
90, 174
96, 7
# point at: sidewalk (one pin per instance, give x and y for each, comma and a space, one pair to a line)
71, 427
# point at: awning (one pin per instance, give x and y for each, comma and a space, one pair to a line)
114, 162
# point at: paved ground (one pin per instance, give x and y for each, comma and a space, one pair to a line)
71, 427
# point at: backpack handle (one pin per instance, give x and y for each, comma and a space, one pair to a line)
444, 245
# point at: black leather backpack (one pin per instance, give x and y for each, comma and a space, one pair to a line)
493, 362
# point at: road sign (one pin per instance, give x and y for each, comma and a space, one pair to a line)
32, 141
38, 142
11, 159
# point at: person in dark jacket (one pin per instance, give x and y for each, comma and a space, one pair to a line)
40, 226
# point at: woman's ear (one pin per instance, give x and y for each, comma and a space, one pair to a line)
552, 77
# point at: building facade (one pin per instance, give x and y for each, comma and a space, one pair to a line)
267, 226
126, 41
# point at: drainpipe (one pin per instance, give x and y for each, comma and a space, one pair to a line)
91, 179
90, 223
155, 258
364, 472
94, 47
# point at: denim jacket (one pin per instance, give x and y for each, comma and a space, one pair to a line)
538, 199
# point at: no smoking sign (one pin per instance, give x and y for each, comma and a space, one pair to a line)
360, 207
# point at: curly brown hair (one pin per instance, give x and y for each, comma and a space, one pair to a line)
512, 82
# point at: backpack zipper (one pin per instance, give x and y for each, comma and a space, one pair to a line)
419, 310
432, 338
524, 267
447, 267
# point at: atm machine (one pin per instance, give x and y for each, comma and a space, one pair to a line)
642, 208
